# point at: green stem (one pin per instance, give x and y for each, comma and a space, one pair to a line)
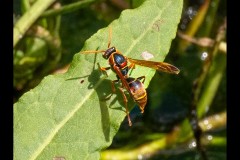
23, 24
209, 18
214, 78
214, 121
67, 8
146, 149
194, 25
214, 72
218, 141
169, 141
25, 5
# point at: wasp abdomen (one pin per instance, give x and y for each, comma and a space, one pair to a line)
138, 92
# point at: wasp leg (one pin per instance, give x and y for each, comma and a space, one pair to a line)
142, 77
132, 67
113, 87
125, 102
103, 69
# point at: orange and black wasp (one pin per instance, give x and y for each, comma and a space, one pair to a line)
119, 64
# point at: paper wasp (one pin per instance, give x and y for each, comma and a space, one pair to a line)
119, 64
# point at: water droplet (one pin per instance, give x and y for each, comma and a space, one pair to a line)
209, 126
204, 56
192, 145
209, 137
205, 122
140, 156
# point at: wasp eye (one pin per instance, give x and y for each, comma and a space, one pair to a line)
105, 55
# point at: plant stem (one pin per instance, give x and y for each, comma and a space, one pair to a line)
215, 71
214, 78
168, 141
214, 121
23, 24
194, 25
67, 8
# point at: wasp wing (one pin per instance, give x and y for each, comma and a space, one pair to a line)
160, 66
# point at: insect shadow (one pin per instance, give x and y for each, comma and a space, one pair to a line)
102, 85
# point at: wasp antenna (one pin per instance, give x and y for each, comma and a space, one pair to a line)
109, 36
84, 52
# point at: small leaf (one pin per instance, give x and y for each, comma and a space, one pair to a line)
68, 115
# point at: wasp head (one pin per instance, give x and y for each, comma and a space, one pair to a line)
108, 52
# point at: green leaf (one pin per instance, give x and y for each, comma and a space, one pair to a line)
68, 115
